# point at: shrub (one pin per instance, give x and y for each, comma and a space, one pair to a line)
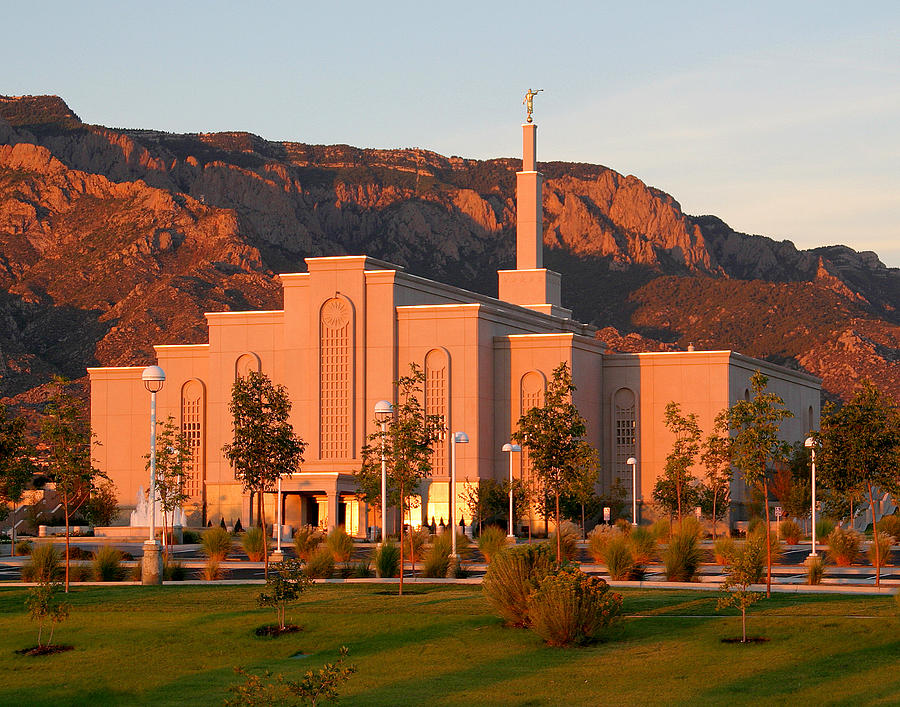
340, 544
885, 542
843, 546
491, 541
724, 549
108, 565
286, 582
598, 539
173, 570
623, 525
81, 573
643, 546
320, 564
824, 526
619, 558
216, 543
661, 530
213, 569
361, 569
815, 570
306, 540
436, 561
682, 556
43, 565
889, 524
254, 544
756, 525
753, 552
190, 537
571, 607
790, 532
689, 524
387, 560
513, 575
23, 547
417, 540
568, 541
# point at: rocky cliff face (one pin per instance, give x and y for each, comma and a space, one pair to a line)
111, 240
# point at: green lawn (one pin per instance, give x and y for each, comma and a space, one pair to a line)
442, 646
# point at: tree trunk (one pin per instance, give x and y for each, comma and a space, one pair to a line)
583, 536
743, 624
262, 519
678, 499
401, 539
768, 540
259, 507
558, 534
66, 506
715, 493
875, 535
412, 553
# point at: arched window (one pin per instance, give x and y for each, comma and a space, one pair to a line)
336, 379
810, 420
245, 363
531, 395
437, 402
624, 434
193, 413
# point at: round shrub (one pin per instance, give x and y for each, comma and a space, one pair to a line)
512, 576
571, 607
340, 544
43, 565
491, 541
306, 540
682, 555
790, 531
216, 543
320, 564
108, 565
843, 546
387, 560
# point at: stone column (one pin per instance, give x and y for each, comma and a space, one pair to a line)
332, 510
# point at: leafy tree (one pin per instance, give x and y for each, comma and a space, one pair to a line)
739, 575
16, 467
554, 436
665, 495
44, 604
860, 450
755, 443
408, 448
173, 460
67, 440
102, 508
264, 447
284, 585
583, 489
716, 460
684, 450
487, 501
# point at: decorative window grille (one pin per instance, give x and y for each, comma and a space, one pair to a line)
336, 379
192, 414
436, 403
532, 396
625, 434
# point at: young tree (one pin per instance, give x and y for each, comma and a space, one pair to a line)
554, 436
755, 424
716, 460
173, 459
860, 450
665, 495
408, 448
264, 447
43, 603
67, 438
584, 484
684, 449
16, 467
740, 574
284, 585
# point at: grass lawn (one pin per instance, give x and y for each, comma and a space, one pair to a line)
442, 646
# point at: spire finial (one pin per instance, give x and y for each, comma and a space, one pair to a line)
528, 102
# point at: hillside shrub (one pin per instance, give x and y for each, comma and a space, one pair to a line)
619, 558
340, 544
216, 543
491, 541
321, 563
387, 560
885, 542
843, 546
513, 575
790, 531
724, 549
108, 565
43, 565
254, 544
568, 538
569, 607
306, 540
682, 555
889, 524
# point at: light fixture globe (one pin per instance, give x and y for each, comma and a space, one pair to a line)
461, 438
511, 448
383, 411
154, 377
810, 442
631, 461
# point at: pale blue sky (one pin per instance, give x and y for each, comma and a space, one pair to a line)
782, 118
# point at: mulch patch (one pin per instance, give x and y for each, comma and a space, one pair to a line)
274, 631
49, 649
750, 639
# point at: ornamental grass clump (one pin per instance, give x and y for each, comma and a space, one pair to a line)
254, 544
815, 570
568, 540
824, 526
642, 545
43, 565
108, 565
661, 530
790, 531
682, 555
843, 546
884, 544
513, 575
173, 570
23, 547
889, 524
306, 540
491, 541
436, 561
213, 569
321, 564
387, 560
619, 558
598, 539
340, 544
723, 550
216, 543
570, 607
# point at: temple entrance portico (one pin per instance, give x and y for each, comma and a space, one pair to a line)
322, 500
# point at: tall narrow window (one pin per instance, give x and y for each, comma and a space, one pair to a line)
437, 379
625, 430
336, 379
192, 415
531, 393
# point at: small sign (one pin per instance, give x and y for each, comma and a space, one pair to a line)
778, 511
698, 512
606, 514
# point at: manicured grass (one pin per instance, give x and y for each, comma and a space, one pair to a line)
442, 646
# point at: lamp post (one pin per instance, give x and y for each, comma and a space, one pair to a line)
632, 462
510, 448
810, 444
458, 438
278, 554
384, 411
151, 566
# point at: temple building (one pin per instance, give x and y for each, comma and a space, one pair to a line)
351, 325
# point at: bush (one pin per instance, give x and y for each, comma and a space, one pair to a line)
320, 564
619, 558
43, 565
753, 551
173, 570
213, 569
885, 542
436, 561
190, 537
843, 546
661, 530
254, 544
790, 532
491, 541
361, 569
682, 556
824, 526
623, 525
598, 539
689, 524
571, 607
815, 570
340, 544
216, 543
306, 540
23, 547
513, 575
724, 550
568, 541
108, 565
756, 525
643, 545
82, 573
417, 540
387, 560
888, 524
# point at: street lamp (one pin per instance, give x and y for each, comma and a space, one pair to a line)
511, 448
632, 462
384, 411
810, 444
153, 377
278, 553
458, 438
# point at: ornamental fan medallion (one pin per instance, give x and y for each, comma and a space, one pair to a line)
335, 314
